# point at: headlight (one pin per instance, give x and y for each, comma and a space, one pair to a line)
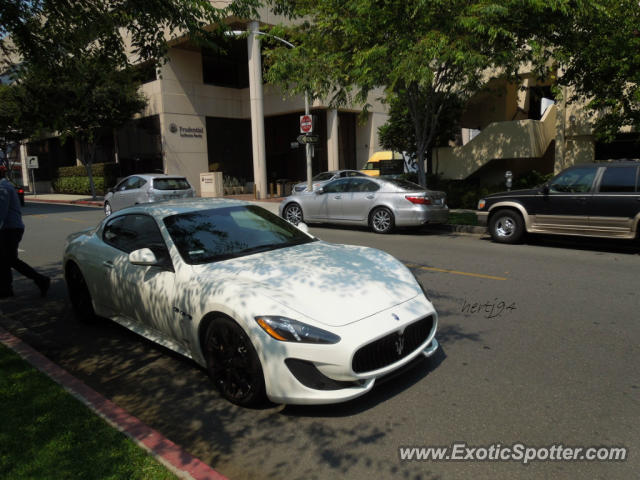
288, 330
481, 204
424, 290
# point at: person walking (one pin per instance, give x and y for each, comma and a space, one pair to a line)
11, 231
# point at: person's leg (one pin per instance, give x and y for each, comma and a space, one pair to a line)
8, 253
41, 281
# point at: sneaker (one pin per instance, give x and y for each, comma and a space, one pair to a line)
43, 285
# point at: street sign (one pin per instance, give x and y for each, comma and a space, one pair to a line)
306, 124
304, 139
32, 162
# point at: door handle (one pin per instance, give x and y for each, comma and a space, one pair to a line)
338, 197
370, 196
107, 264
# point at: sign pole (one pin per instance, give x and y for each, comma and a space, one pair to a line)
308, 146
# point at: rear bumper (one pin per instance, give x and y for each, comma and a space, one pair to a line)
421, 216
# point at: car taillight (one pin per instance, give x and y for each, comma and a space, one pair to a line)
20, 191
418, 200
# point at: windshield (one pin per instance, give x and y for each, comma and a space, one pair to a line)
206, 236
405, 184
324, 176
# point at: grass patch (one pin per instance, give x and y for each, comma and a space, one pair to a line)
463, 218
48, 434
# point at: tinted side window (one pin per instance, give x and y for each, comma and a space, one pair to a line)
363, 185
619, 179
337, 186
132, 232
575, 180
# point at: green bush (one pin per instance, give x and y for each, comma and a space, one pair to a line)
74, 180
466, 193
78, 185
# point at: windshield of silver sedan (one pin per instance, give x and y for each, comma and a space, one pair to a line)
205, 236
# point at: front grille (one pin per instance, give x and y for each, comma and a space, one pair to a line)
393, 347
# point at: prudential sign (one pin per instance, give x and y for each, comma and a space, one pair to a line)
187, 132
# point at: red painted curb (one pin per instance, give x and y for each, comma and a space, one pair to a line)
92, 203
164, 450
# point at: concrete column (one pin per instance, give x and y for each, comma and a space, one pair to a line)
333, 152
257, 111
23, 163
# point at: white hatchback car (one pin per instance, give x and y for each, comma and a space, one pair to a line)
263, 305
146, 188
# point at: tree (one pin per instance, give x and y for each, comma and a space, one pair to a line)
75, 62
597, 47
398, 134
41, 30
428, 55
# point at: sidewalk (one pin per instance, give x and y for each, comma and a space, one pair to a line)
270, 204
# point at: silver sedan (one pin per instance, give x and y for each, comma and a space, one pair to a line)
382, 204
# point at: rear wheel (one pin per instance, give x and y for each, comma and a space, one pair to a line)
79, 295
293, 213
233, 363
381, 220
506, 226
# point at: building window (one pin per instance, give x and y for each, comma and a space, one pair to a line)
227, 66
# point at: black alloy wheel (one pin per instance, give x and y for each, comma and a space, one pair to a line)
79, 295
233, 364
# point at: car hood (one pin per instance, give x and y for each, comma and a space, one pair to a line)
332, 284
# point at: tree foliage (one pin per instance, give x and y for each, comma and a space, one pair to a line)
597, 47
73, 63
429, 56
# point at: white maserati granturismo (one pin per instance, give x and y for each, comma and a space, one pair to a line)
265, 307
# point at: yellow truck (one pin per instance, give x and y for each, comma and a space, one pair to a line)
385, 162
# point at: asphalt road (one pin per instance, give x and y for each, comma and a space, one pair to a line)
560, 366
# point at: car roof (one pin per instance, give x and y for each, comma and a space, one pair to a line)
180, 205
149, 176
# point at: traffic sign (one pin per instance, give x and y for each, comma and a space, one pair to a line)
306, 124
304, 139
32, 162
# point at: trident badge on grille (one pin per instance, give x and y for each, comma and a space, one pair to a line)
399, 343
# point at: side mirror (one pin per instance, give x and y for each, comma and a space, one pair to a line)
304, 228
545, 189
319, 191
144, 257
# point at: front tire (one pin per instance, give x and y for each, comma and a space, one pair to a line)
79, 295
293, 213
506, 226
107, 209
233, 363
382, 220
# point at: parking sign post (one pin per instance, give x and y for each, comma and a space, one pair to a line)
32, 164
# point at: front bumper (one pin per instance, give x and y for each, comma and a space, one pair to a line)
482, 218
321, 374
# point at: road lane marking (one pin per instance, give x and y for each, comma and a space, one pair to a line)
454, 272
